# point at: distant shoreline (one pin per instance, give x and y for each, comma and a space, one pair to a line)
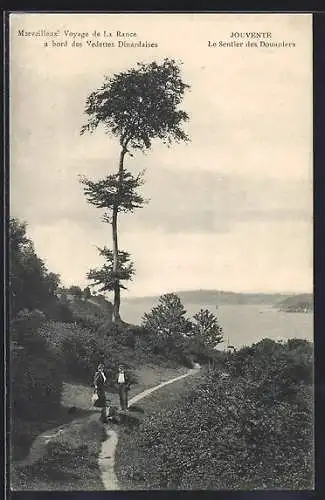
216, 298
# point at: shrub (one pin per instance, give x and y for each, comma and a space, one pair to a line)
24, 328
197, 350
89, 315
226, 435
36, 382
59, 311
35, 371
82, 349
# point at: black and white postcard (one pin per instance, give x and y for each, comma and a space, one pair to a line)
161, 251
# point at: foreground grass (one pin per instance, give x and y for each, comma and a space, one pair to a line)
70, 462
152, 375
24, 432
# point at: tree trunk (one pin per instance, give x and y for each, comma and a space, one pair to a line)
117, 291
116, 304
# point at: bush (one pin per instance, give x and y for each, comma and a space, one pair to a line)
36, 384
92, 337
89, 315
226, 435
277, 369
35, 371
24, 328
199, 352
82, 349
59, 311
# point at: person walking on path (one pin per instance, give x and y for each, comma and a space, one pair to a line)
99, 382
123, 387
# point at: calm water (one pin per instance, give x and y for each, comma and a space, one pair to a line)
245, 325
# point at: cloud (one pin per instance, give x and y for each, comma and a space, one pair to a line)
233, 208
180, 201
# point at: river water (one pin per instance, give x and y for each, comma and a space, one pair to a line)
246, 324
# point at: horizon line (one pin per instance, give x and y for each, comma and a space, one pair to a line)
286, 292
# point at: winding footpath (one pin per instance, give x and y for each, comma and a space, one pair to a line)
106, 460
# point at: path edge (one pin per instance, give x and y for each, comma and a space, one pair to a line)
106, 458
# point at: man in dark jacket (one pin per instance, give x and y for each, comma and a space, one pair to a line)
123, 383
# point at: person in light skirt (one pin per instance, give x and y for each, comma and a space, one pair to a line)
99, 383
123, 384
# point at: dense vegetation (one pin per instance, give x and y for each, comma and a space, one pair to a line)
31, 285
59, 333
252, 429
35, 371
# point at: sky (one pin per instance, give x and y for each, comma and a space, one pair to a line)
230, 210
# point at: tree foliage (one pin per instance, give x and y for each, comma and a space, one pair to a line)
116, 190
167, 319
135, 106
206, 327
106, 277
140, 105
32, 286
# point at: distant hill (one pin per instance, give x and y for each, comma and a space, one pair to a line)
215, 297
303, 302
133, 308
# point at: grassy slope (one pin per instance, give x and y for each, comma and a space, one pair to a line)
129, 459
76, 394
64, 461
72, 464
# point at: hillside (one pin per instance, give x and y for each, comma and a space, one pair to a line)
212, 297
96, 306
297, 303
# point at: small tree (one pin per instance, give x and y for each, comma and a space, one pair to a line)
87, 293
207, 328
135, 106
167, 319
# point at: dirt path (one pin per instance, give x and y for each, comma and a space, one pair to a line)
80, 396
106, 460
39, 446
